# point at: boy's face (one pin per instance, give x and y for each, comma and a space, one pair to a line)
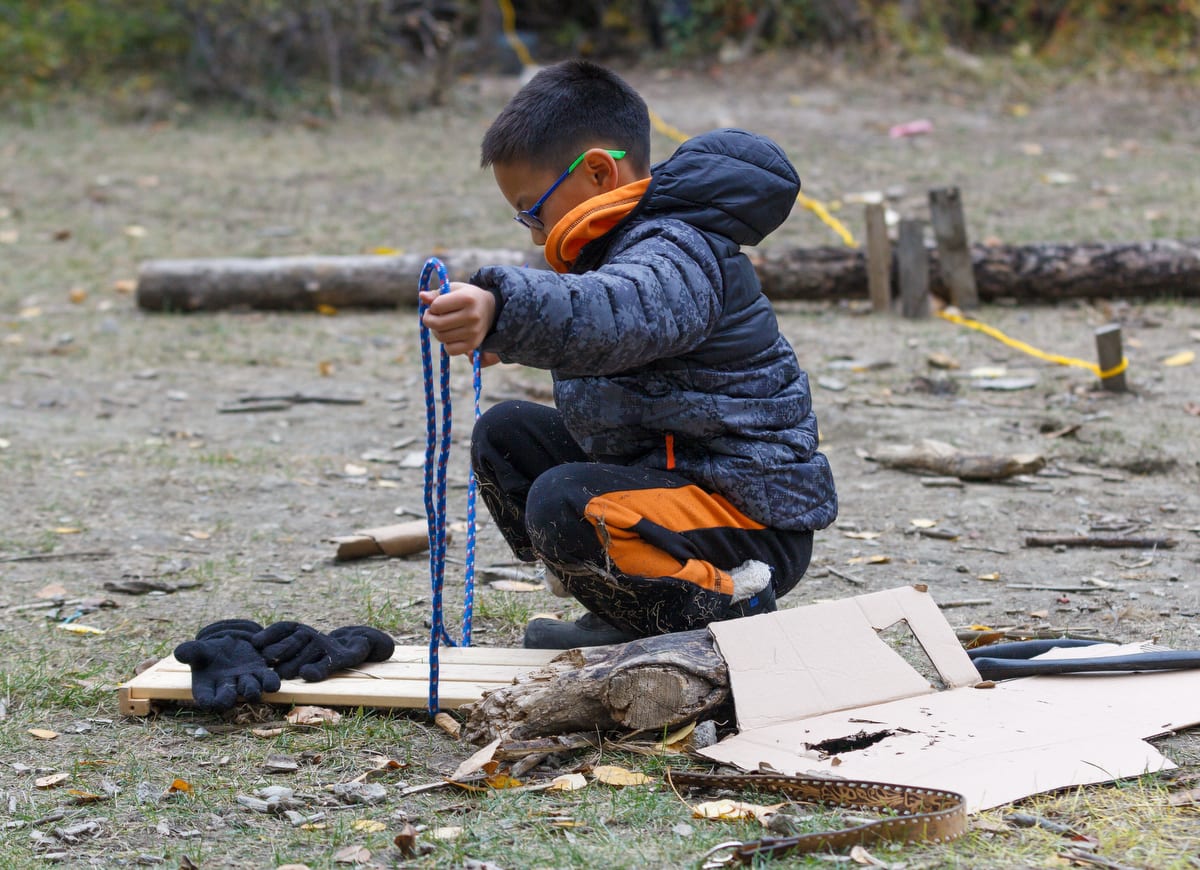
523, 185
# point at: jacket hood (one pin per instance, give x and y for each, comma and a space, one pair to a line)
732, 182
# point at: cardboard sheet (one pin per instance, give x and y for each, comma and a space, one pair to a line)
806, 676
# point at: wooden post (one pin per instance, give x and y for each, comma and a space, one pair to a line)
913, 266
879, 259
1108, 347
954, 253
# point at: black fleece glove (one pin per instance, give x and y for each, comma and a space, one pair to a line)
225, 665
295, 649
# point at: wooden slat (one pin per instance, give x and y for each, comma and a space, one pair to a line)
464, 674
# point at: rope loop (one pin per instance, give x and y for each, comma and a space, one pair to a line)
437, 457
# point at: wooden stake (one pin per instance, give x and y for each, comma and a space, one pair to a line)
1108, 347
879, 259
913, 266
954, 253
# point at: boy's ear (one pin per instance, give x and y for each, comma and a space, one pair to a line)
600, 169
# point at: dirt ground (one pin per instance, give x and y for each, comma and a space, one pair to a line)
118, 465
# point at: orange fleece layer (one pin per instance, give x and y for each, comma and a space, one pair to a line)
589, 220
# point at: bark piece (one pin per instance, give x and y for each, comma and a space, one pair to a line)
652, 683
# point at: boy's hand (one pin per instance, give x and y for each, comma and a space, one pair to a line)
460, 319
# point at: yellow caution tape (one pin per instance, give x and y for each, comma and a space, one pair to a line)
1016, 344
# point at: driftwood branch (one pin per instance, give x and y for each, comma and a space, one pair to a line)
937, 457
1026, 273
653, 683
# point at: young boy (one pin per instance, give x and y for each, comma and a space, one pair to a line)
677, 481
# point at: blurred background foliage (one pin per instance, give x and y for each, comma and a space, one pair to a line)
152, 56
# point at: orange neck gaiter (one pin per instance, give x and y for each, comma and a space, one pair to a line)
589, 220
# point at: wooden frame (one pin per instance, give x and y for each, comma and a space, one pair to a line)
464, 675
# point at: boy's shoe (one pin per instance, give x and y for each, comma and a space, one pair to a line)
761, 602
587, 630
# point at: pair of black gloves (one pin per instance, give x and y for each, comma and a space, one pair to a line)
236, 658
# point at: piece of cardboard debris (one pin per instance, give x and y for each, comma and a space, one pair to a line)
399, 539
818, 692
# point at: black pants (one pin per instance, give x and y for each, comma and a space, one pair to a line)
645, 549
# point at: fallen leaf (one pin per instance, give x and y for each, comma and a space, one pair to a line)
352, 855
568, 782
449, 832
1183, 358
876, 559
43, 733
180, 786
862, 536
1192, 408
9, 237
516, 586
351, 470
52, 780
939, 360
1059, 178
313, 716
922, 523
727, 810
325, 368
1032, 149
52, 590
85, 797
370, 826
1039, 614
610, 774
327, 310
77, 295
993, 576
502, 781
475, 763
676, 737
124, 286
66, 530
199, 535
78, 628
134, 231
266, 732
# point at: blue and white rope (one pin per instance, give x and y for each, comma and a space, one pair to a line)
435, 483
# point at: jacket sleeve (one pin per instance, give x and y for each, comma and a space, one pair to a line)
658, 297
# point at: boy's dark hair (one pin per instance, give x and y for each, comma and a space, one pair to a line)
564, 110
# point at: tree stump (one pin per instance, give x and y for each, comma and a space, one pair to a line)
648, 684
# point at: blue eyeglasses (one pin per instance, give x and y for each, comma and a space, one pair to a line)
529, 217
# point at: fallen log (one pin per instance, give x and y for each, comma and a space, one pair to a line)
653, 683
1047, 272
1025, 273
302, 283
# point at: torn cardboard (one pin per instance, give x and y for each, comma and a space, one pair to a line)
818, 692
400, 539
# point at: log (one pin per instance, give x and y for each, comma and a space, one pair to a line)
303, 283
1047, 272
652, 683
1025, 273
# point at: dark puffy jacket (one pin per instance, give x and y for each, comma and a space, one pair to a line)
661, 329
